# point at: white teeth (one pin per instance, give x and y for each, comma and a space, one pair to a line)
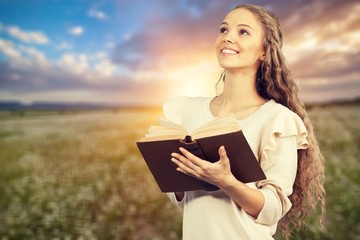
229, 51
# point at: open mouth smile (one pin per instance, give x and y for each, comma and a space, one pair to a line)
229, 51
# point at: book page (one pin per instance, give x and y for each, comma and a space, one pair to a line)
165, 130
169, 130
217, 127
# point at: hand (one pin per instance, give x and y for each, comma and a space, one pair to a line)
217, 173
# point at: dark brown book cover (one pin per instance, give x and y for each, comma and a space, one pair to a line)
157, 155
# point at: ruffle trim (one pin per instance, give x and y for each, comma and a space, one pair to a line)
286, 124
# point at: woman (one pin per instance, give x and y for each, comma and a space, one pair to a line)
260, 91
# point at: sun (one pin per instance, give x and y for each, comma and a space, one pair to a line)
195, 80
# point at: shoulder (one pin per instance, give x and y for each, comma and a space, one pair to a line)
175, 108
175, 102
278, 111
282, 122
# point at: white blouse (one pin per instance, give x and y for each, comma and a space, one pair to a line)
274, 134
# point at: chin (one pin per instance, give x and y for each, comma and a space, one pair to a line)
229, 66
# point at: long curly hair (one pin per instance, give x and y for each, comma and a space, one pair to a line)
274, 81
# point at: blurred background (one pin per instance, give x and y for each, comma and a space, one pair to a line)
82, 80
144, 52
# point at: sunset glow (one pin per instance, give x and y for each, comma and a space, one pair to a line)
140, 52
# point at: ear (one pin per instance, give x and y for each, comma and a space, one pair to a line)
262, 56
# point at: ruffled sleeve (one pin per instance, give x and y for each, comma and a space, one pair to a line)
284, 124
284, 134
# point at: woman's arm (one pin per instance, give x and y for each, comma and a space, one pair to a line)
219, 174
249, 199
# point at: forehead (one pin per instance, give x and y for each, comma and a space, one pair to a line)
242, 16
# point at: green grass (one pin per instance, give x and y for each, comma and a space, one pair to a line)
338, 131
80, 176
67, 177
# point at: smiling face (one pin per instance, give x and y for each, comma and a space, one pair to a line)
240, 42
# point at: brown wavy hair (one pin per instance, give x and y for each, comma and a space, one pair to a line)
274, 81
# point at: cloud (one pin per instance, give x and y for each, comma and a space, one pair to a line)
74, 77
22, 57
35, 56
97, 14
171, 52
70, 73
76, 31
7, 48
75, 63
28, 70
122, 79
171, 37
63, 45
320, 42
321, 46
28, 36
105, 68
95, 69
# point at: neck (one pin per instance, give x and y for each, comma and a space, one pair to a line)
240, 90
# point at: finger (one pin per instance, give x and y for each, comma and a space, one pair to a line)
184, 168
194, 159
184, 160
223, 154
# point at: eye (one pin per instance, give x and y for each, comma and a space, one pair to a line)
243, 32
223, 30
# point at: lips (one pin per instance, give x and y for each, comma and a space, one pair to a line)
229, 51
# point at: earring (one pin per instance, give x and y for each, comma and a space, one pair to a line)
259, 80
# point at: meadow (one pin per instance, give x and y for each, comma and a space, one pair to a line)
78, 175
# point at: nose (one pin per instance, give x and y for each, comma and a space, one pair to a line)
228, 39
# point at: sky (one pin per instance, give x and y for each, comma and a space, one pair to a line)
146, 52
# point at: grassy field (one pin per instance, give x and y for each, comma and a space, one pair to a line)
79, 175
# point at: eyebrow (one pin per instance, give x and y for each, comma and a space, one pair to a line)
241, 24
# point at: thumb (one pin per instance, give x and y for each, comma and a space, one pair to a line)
222, 154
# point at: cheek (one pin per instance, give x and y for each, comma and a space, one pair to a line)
218, 42
256, 49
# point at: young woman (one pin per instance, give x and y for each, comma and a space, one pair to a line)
260, 91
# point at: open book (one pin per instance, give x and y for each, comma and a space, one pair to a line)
160, 141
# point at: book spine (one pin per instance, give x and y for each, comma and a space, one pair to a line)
194, 148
